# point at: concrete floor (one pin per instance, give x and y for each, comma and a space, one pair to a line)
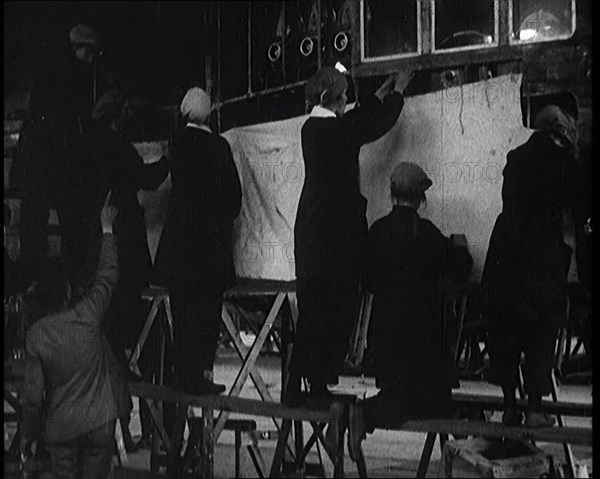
387, 453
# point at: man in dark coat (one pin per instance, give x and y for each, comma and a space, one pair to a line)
525, 275
195, 258
113, 163
47, 163
331, 226
408, 261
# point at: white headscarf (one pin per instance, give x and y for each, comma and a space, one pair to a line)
196, 106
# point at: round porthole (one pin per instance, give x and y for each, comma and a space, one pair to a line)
274, 52
306, 46
340, 42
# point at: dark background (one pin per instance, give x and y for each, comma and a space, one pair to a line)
156, 48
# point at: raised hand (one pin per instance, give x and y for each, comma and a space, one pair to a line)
108, 214
402, 79
386, 88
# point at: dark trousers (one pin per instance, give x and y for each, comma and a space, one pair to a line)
197, 323
328, 309
35, 212
123, 318
85, 457
394, 404
509, 337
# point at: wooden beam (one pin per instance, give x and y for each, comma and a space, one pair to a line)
502, 53
496, 403
254, 407
569, 435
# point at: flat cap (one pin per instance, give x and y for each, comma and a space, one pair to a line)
83, 35
408, 177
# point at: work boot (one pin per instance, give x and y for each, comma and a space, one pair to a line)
319, 397
357, 431
538, 419
512, 416
203, 386
145, 442
292, 396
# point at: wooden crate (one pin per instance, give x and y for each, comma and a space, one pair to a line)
478, 457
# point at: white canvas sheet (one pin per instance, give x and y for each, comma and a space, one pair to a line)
459, 136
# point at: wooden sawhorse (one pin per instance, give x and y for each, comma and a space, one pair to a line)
281, 291
253, 407
158, 297
459, 427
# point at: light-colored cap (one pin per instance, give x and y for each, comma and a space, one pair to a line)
196, 105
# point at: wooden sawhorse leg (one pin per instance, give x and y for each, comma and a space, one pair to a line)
426, 454
286, 427
248, 366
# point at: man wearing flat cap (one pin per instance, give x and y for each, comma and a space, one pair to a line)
47, 163
194, 258
331, 227
408, 258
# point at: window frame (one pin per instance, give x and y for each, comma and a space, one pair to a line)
494, 44
513, 40
372, 59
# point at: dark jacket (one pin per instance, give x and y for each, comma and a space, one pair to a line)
408, 259
59, 115
331, 227
196, 243
115, 165
69, 358
527, 260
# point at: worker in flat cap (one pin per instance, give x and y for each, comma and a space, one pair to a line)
531, 261
408, 260
84, 42
194, 258
331, 228
66, 86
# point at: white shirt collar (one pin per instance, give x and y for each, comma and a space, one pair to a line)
199, 127
319, 112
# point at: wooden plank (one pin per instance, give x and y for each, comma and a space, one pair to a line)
252, 287
155, 292
569, 435
252, 407
496, 403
